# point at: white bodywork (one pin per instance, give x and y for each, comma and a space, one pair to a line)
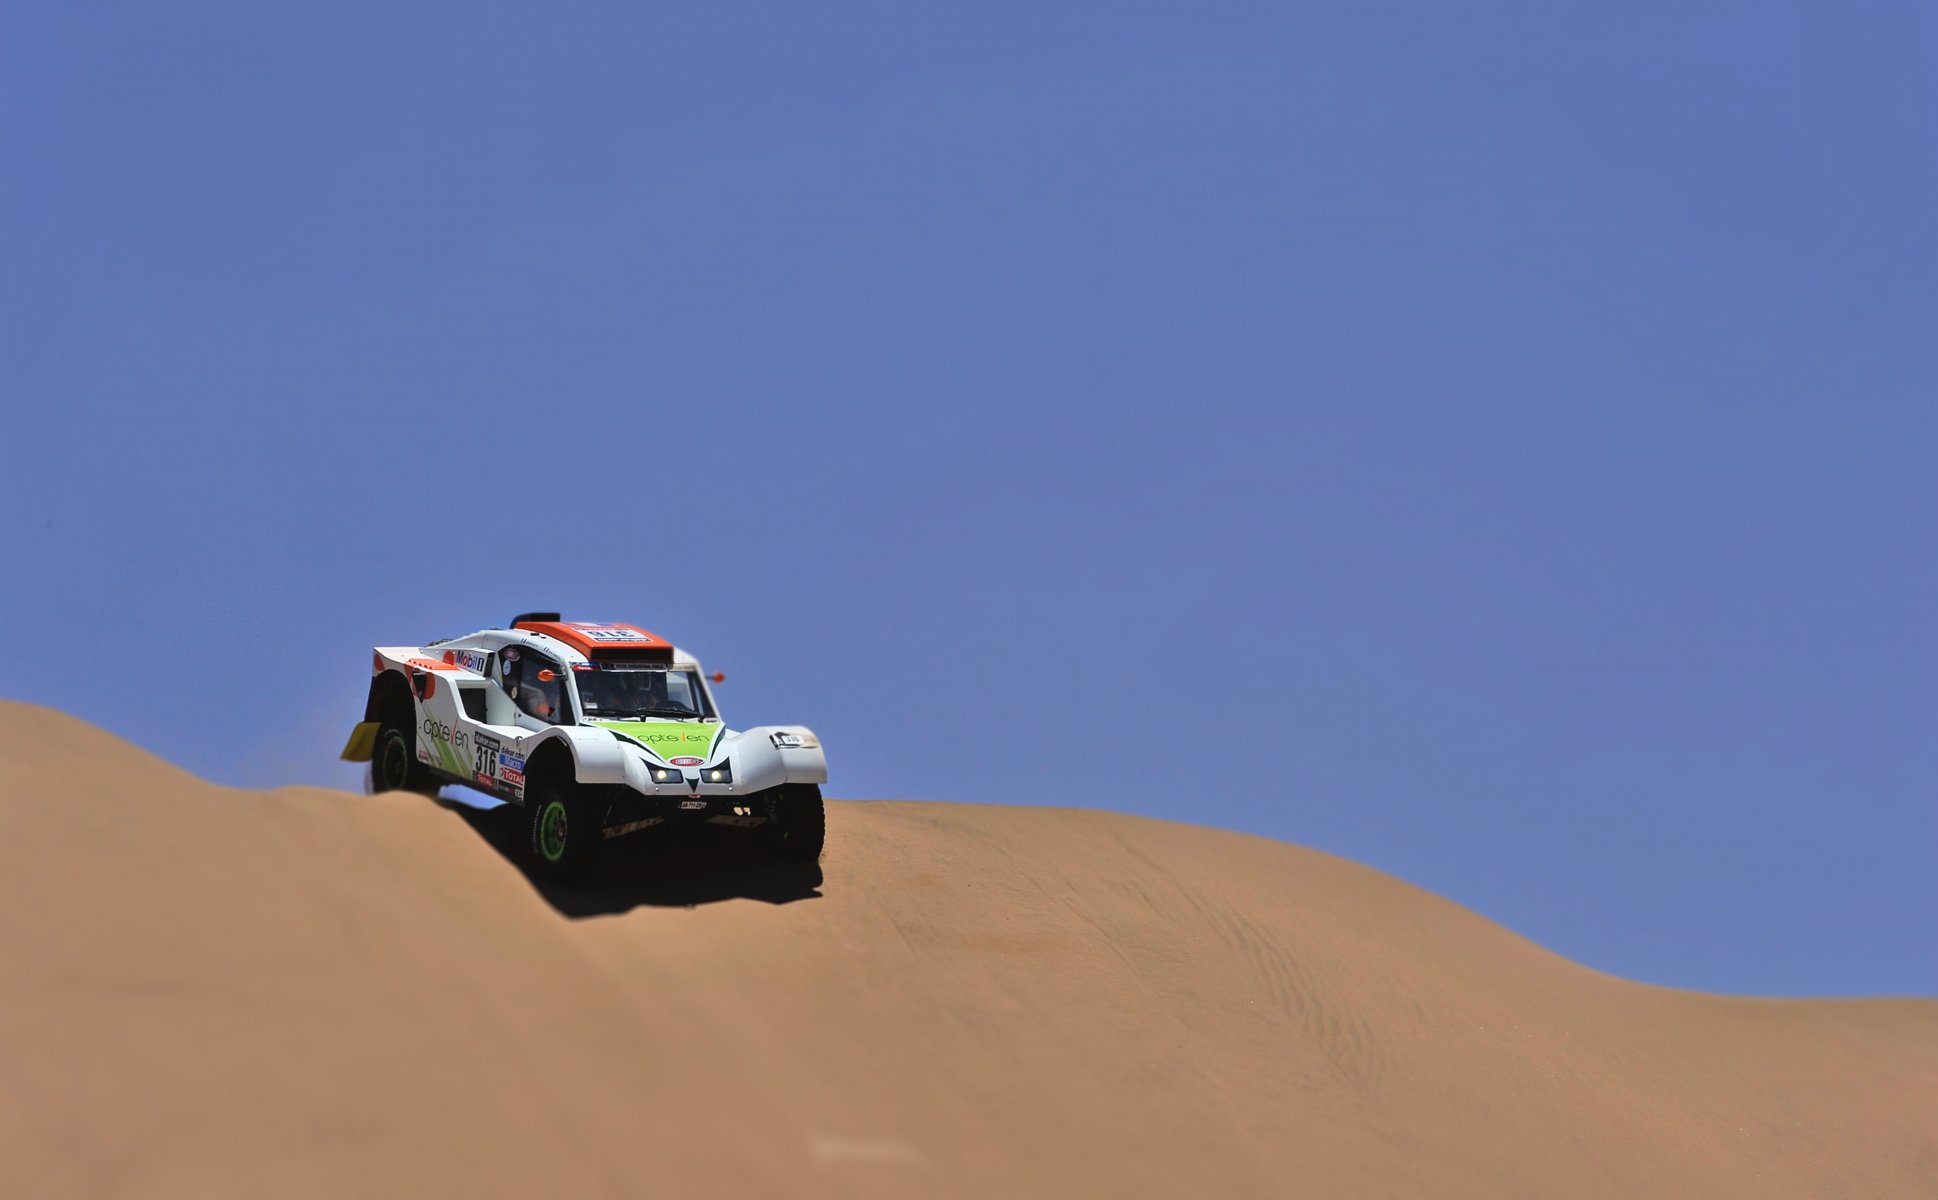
469, 730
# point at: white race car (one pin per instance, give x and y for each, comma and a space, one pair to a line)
596, 730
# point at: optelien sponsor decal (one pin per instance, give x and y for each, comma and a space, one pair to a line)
449, 747
667, 738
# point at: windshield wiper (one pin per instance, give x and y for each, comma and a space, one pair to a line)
684, 714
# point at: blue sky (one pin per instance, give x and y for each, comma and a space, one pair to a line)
1496, 446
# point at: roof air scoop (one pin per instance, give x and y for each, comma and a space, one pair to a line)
521, 618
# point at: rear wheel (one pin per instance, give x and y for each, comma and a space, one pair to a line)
797, 822
564, 829
394, 766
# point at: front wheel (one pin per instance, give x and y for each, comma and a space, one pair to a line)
564, 831
798, 823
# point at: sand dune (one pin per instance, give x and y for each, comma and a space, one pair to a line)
209, 992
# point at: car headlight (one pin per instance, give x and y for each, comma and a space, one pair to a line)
723, 773
664, 774
794, 741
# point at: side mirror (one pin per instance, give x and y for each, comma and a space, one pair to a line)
718, 677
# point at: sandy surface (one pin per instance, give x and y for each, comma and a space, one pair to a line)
208, 992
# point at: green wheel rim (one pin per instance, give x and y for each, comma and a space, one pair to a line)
551, 831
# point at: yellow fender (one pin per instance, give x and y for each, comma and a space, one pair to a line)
362, 745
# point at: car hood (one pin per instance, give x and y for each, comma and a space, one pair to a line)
669, 739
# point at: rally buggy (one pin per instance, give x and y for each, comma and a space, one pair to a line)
595, 730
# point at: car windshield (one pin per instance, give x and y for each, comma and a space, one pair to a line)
609, 693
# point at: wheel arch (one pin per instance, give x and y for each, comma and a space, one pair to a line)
550, 762
390, 694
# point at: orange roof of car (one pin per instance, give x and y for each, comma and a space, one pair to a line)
597, 638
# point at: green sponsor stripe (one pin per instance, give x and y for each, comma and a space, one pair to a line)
670, 739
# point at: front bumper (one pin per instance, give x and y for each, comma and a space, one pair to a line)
744, 778
631, 812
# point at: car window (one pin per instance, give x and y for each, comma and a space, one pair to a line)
627, 692
679, 691
534, 684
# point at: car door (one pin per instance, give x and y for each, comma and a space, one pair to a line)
522, 684
443, 742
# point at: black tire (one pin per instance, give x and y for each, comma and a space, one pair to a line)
394, 766
563, 833
798, 823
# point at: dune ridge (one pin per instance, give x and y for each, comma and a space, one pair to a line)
214, 992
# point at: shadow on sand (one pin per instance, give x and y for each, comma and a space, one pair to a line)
705, 867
